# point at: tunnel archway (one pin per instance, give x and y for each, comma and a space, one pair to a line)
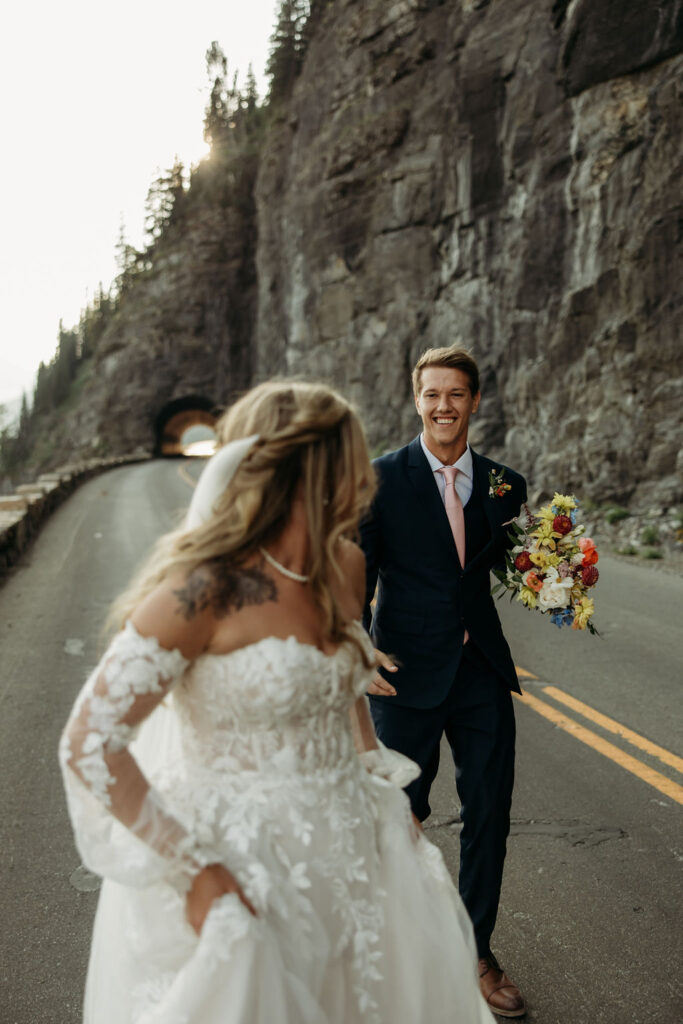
176, 418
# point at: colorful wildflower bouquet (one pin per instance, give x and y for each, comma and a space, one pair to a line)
551, 565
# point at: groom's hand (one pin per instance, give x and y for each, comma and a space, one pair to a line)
379, 687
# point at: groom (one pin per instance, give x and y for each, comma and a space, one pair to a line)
437, 528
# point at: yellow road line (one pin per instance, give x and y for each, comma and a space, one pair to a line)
615, 727
604, 747
185, 476
524, 673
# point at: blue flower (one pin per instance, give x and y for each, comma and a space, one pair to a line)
572, 516
562, 617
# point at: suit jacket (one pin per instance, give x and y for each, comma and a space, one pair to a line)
425, 600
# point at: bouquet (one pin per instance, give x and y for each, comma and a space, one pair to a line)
551, 565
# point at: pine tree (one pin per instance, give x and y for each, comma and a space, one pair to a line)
165, 203
94, 319
126, 259
24, 415
43, 392
64, 363
253, 113
216, 115
287, 47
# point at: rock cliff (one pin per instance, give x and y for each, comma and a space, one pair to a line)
501, 175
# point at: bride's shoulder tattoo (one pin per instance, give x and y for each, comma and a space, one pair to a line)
224, 588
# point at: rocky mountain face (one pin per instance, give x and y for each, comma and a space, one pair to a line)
505, 176
501, 175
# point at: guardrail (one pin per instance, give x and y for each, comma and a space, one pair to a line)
24, 512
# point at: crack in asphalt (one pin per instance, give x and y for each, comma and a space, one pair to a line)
573, 831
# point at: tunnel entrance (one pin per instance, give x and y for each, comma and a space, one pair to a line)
185, 426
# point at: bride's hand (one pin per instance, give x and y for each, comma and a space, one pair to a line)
210, 884
379, 685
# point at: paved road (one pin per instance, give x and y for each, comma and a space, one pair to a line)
590, 920
51, 613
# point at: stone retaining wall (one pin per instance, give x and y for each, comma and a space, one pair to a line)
23, 513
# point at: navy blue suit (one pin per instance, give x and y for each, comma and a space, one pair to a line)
424, 602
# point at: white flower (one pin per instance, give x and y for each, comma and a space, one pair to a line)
555, 591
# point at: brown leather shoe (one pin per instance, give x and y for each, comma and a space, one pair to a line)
502, 995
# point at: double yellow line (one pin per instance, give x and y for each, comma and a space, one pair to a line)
631, 764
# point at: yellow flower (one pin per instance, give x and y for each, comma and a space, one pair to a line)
564, 502
545, 536
539, 558
583, 610
527, 597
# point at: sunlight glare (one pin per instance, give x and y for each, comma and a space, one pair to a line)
200, 449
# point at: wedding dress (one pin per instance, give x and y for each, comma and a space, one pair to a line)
255, 766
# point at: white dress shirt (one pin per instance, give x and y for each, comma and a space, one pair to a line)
464, 481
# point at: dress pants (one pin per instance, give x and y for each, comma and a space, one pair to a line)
478, 720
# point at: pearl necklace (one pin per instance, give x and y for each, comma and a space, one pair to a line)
297, 576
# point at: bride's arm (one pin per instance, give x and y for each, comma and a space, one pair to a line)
104, 784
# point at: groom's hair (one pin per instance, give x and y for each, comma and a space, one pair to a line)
454, 359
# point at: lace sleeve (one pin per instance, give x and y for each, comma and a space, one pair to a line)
123, 830
373, 755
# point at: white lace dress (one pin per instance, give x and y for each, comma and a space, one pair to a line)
250, 761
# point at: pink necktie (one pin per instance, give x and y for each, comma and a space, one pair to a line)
456, 516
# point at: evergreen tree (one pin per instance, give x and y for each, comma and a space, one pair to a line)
92, 323
165, 203
64, 363
126, 259
19, 446
24, 415
43, 395
287, 47
216, 116
253, 113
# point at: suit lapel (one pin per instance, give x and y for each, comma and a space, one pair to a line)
435, 518
481, 481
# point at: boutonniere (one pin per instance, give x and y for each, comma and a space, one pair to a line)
497, 485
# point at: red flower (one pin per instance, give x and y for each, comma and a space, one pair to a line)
562, 525
590, 554
589, 575
523, 562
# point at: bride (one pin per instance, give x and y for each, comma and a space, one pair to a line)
259, 859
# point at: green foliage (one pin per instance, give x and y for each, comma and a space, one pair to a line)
221, 107
288, 45
166, 202
93, 322
649, 535
628, 550
652, 553
615, 513
57, 385
232, 119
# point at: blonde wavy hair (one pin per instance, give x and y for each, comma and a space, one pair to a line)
308, 435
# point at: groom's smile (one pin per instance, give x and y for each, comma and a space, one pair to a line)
445, 404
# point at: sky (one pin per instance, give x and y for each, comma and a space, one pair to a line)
94, 99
